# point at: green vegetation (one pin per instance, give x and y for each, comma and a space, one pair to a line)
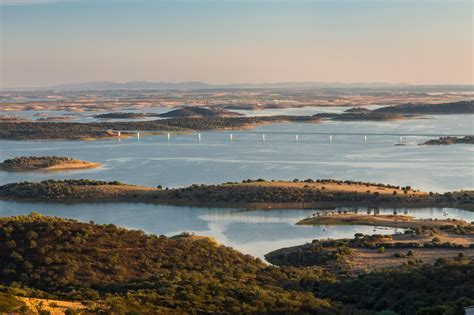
219, 123
249, 193
58, 189
461, 107
9, 303
402, 111
34, 162
72, 131
450, 140
444, 288
364, 115
76, 131
357, 110
114, 270
129, 271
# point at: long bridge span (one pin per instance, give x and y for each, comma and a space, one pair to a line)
398, 134
232, 135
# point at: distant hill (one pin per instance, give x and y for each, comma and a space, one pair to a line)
357, 110
197, 112
134, 85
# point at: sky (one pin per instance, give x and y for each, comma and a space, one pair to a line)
49, 42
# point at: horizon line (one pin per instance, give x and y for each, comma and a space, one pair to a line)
236, 85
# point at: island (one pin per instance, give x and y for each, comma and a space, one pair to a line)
198, 112
57, 264
121, 115
450, 140
45, 163
357, 110
251, 194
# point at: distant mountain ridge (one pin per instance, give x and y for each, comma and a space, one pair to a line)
197, 85
133, 85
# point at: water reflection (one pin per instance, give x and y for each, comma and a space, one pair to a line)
252, 232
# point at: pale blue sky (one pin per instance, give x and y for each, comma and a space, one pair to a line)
228, 41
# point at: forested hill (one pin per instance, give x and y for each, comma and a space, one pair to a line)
128, 271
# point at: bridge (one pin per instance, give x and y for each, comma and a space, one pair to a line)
295, 136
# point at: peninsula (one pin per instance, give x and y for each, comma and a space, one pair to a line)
45, 163
252, 194
423, 241
460, 107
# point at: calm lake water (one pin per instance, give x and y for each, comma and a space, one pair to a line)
254, 232
184, 160
153, 161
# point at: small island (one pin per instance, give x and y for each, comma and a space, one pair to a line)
45, 163
121, 115
198, 112
450, 140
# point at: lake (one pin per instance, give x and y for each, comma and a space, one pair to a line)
152, 161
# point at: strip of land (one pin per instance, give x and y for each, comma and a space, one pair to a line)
252, 194
34, 130
395, 221
424, 241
